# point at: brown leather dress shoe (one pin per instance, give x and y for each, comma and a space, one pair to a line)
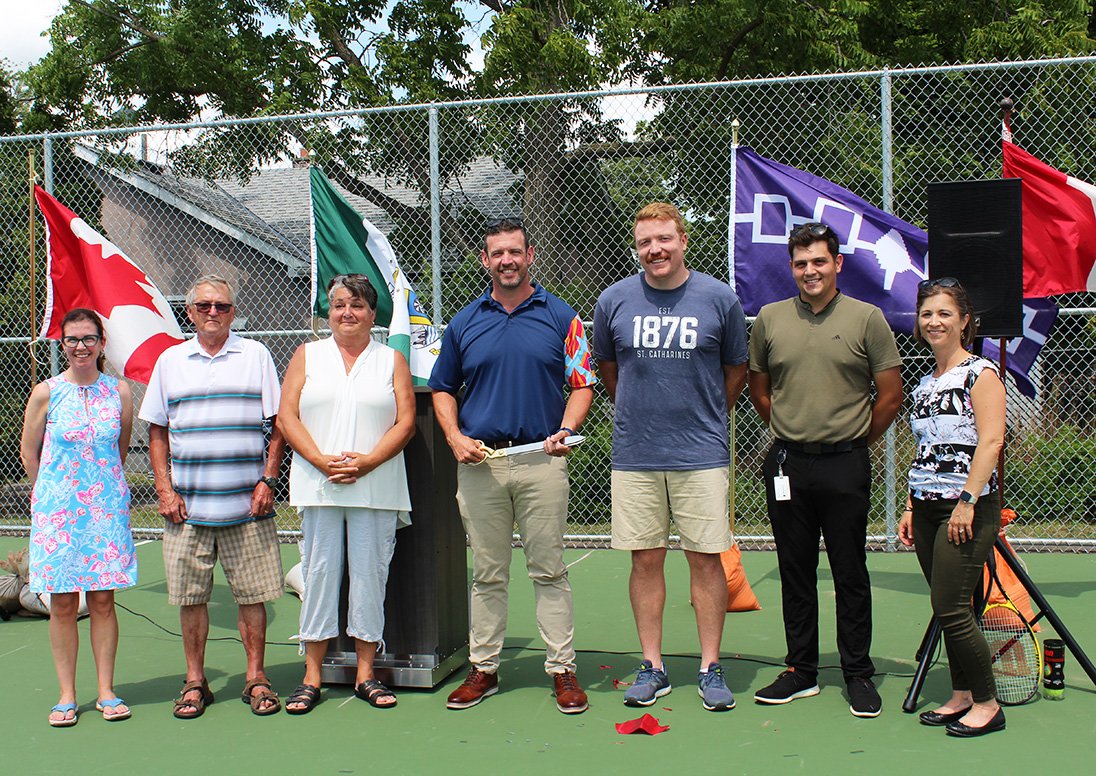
570, 699
475, 687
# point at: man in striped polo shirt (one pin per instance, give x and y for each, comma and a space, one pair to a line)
208, 403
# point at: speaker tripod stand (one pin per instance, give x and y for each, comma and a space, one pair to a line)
934, 631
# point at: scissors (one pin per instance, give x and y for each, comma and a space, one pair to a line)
489, 452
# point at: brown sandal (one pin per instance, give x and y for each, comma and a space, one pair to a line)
256, 701
196, 706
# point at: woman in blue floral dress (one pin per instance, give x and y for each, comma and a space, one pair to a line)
75, 436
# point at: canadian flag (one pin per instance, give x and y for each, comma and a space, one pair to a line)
1059, 214
87, 270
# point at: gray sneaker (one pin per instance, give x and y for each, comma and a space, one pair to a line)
713, 689
651, 684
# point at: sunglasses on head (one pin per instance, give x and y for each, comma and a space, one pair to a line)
88, 341
219, 307
945, 282
355, 277
814, 230
509, 222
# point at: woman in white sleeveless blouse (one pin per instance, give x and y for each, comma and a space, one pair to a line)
347, 410
953, 513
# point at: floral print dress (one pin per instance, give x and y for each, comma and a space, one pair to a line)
80, 533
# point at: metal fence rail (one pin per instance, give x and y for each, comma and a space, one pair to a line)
231, 197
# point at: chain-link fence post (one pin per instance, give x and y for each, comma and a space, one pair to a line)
889, 454
47, 184
435, 217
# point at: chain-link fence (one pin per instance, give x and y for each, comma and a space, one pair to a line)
231, 197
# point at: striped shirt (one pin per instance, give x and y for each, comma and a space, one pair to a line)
215, 409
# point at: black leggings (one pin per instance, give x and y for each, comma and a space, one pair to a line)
954, 572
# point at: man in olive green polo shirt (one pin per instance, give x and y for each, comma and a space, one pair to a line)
813, 361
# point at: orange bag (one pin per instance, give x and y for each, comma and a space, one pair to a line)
1017, 593
740, 596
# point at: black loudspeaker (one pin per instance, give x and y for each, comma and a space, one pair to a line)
976, 236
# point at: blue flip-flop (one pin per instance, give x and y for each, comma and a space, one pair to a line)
112, 703
63, 708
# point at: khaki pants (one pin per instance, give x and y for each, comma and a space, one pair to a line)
530, 491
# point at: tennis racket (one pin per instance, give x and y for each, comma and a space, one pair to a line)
1015, 654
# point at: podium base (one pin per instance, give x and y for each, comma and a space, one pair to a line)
416, 671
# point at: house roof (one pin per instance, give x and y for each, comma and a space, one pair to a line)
206, 201
269, 212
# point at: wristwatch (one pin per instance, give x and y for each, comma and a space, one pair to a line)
270, 482
968, 498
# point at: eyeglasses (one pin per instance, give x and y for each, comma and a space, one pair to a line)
818, 230
217, 307
945, 282
88, 341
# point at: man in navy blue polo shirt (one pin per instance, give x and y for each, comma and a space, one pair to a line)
513, 350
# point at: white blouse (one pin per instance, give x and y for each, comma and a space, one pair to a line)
349, 412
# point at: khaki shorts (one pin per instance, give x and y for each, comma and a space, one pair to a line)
248, 552
643, 502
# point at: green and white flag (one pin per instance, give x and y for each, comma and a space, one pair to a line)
345, 243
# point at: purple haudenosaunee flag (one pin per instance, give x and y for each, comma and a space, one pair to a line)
884, 257
1039, 316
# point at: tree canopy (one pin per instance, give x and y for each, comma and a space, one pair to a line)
129, 61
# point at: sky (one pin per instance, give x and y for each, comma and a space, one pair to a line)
24, 21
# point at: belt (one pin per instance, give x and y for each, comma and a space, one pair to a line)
824, 448
499, 444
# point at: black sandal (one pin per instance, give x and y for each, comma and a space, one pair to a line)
372, 690
304, 694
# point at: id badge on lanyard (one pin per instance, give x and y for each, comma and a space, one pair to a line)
782, 487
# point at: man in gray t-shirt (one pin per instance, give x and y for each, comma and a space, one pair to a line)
671, 349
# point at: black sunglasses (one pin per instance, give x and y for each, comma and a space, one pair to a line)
88, 341
355, 277
219, 307
814, 230
944, 282
509, 222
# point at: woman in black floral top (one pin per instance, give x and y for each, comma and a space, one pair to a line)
954, 510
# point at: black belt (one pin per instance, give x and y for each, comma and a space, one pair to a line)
499, 444
824, 448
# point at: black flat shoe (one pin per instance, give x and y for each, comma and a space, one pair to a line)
960, 730
936, 719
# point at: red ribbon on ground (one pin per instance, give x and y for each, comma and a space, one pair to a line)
645, 724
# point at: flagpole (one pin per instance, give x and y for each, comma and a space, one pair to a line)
731, 218
33, 301
1002, 346
730, 276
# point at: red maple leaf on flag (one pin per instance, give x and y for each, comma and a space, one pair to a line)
87, 270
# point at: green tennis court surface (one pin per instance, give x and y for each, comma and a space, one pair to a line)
519, 730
